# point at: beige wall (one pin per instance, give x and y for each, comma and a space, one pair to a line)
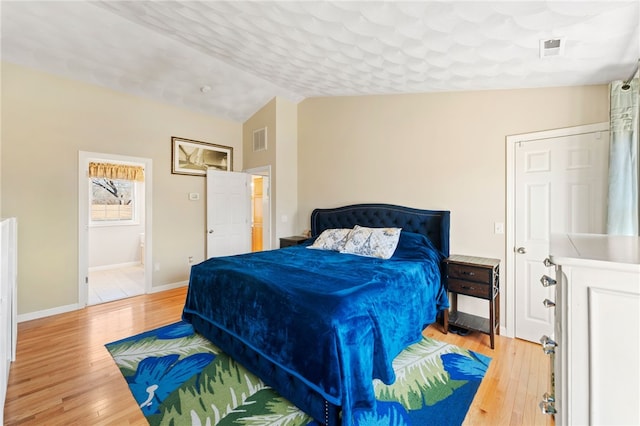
265, 117
46, 120
435, 151
431, 151
280, 117
287, 171
438, 151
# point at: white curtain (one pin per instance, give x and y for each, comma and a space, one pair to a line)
623, 159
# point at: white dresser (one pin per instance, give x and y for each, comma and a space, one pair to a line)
596, 347
8, 307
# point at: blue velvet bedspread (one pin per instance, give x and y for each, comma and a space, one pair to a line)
336, 321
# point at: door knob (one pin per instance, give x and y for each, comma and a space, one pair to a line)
521, 250
211, 231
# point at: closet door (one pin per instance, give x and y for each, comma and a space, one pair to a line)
228, 213
560, 187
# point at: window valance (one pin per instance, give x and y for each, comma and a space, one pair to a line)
116, 171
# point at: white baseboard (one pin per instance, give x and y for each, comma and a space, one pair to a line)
48, 312
74, 307
171, 286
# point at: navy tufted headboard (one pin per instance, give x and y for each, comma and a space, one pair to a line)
432, 223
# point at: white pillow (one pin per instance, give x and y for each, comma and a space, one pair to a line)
331, 239
372, 242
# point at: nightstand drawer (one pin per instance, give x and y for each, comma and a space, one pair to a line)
470, 288
471, 273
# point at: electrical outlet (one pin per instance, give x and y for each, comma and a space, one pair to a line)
498, 228
156, 267
190, 259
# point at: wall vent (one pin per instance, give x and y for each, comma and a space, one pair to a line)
552, 47
260, 140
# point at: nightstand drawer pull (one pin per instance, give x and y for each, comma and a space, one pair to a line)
471, 274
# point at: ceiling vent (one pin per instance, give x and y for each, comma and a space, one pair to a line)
552, 47
260, 140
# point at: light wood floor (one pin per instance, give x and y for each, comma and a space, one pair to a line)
63, 374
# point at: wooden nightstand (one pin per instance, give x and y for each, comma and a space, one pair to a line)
292, 241
475, 277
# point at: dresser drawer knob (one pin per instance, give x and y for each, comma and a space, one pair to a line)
548, 303
547, 281
547, 405
548, 397
471, 274
548, 345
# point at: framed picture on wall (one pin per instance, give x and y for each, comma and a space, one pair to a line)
189, 157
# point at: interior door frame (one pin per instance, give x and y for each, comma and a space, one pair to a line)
265, 171
83, 218
510, 247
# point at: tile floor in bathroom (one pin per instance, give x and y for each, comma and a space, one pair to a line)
113, 284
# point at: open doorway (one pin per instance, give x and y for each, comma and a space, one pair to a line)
114, 227
260, 208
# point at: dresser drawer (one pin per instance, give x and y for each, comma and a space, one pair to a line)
470, 288
471, 273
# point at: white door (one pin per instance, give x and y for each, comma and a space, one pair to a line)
228, 213
560, 187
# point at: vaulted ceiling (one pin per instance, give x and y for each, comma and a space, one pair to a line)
229, 58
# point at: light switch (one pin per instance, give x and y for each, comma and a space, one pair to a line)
194, 196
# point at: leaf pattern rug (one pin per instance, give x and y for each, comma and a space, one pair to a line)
178, 377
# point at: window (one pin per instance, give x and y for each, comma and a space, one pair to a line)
112, 193
112, 201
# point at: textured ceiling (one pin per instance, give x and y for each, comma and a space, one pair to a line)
249, 52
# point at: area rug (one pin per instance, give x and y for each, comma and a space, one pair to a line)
178, 377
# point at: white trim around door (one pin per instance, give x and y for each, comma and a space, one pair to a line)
511, 141
83, 218
265, 171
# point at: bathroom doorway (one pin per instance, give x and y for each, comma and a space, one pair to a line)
114, 227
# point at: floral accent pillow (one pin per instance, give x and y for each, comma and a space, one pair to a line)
331, 239
372, 242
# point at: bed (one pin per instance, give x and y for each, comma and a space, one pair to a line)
319, 325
